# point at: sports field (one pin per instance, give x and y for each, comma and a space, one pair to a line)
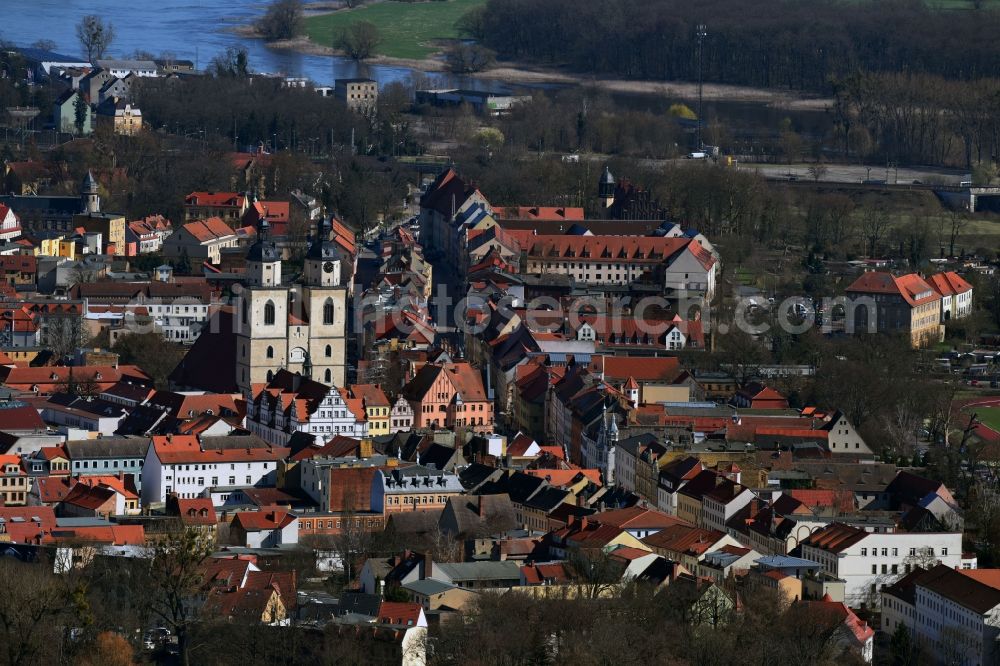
408, 29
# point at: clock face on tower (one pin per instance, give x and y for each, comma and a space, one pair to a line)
328, 267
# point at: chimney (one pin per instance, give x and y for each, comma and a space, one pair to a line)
428, 571
480, 506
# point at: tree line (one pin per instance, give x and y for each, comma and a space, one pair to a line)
769, 43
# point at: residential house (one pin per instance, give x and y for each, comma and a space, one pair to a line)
64, 113
686, 544
201, 241
14, 481
956, 295
726, 563
375, 406
449, 395
402, 416
853, 635
118, 116
264, 529
438, 595
107, 455
227, 206
146, 236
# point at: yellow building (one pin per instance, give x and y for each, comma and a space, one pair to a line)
14, 484
118, 116
56, 246
375, 405
111, 226
885, 303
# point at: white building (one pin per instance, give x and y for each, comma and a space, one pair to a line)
292, 403
956, 295
681, 265
866, 561
401, 416
722, 503
188, 465
954, 614
122, 68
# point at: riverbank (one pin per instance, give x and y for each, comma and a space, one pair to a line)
512, 73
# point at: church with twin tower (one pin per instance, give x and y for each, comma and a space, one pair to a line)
298, 327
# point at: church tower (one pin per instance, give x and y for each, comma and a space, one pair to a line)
324, 298
606, 188
90, 197
262, 315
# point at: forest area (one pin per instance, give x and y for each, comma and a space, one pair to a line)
767, 43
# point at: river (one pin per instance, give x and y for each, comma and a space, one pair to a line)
196, 31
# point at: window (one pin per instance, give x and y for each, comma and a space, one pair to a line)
329, 351
327, 376
874, 569
248, 480
864, 552
944, 551
232, 480
269, 313
895, 552
328, 312
270, 351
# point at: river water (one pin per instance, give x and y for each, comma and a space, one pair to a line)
196, 31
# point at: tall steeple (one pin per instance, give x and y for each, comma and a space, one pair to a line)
89, 194
323, 260
606, 188
263, 260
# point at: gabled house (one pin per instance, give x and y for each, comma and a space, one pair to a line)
903, 305
449, 395
264, 529
956, 295
291, 403
686, 544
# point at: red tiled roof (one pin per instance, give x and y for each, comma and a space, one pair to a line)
220, 199
836, 537
684, 538
949, 283
912, 288
564, 477
187, 449
404, 613
52, 378
253, 521
642, 369
537, 574
637, 517
208, 230
538, 213
196, 511
21, 418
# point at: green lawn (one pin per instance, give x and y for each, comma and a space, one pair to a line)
990, 416
408, 29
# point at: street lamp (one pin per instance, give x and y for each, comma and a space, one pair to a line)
700, 35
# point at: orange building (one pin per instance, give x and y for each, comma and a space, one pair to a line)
445, 395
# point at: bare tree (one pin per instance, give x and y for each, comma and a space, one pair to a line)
360, 40
957, 221
874, 226
176, 578
95, 36
818, 171
283, 20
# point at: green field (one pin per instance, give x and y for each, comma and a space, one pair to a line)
408, 29
990, 416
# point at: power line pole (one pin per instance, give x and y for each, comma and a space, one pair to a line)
701, 34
